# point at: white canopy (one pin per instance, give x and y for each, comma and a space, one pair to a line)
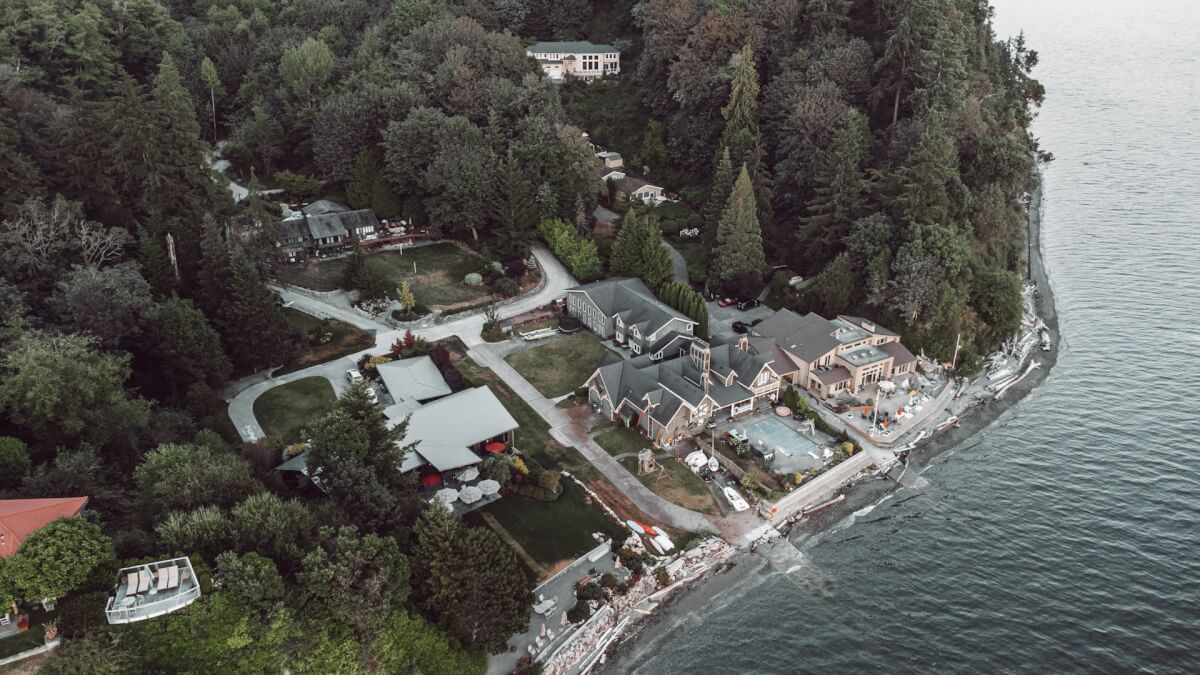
469, 474
489, 486
470, 494
447, 495
887, 386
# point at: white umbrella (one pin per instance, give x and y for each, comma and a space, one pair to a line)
468, 474
489, 486
470, 494
564, 619
542, 632
447, 495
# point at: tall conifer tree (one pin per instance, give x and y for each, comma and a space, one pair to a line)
739, 239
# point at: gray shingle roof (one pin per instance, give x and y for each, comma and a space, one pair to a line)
322, 207
808, 337
832, 375
865, 324
632, 301
416, 379
445, 429
900, 353
327, 223
577, 47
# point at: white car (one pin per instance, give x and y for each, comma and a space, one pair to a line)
353, 376
372, 395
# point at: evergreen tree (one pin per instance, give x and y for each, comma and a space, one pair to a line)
189, 349
718, 195
652, 158
739, 254
839, 187
513, 209
156, 264
639, 252
741, 113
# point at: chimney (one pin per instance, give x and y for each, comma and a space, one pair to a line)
701, 355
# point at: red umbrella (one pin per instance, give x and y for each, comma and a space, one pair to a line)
431, 480
494, 446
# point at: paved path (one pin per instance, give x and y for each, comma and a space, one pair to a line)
324, 309
678, 262
566, 432
467, 328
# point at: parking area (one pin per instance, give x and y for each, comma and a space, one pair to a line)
720, 319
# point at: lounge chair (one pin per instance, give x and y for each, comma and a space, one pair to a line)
172, 577
131, 584
160, 577
144, 579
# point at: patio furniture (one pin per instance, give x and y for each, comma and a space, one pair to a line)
131, 584
143, 580
489, 487
173, 577
447, 496
128, 601
164, 576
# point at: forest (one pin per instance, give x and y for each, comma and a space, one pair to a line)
878, 148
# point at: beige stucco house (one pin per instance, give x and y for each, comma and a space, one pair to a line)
583, 60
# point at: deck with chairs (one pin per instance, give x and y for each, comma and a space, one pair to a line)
151, 590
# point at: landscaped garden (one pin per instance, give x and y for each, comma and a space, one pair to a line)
675, 482
437, 281
284, 410
322, 340
557, 531
559, 367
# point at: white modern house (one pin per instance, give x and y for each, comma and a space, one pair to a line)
583, 60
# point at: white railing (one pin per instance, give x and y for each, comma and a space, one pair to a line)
149, 610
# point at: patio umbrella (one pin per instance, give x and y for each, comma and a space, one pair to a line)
542, 631
470, 494
494, 446
447, 495
468, 474
489, 486
564, 619
431, 480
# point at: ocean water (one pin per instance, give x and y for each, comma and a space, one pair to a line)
1064, 538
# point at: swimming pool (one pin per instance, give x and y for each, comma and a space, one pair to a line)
791, 447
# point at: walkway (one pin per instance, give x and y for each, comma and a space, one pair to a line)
325, 309
678, 262
566, 432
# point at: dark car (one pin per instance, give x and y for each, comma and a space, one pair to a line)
748, 304
740, 327
727, 302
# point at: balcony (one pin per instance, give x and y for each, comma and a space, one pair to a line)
152, 590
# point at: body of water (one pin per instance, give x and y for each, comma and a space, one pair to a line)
1065, 538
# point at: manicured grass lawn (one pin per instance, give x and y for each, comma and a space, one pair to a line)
676, 483
551, 532
345, 340
619, 440
437, 281
282, 411
559, 367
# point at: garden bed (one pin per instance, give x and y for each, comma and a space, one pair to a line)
438, 280
341, 339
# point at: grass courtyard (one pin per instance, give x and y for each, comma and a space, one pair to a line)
559, 367
675, 482
553, 532
344, 340
620, 440
438, 279
284, 410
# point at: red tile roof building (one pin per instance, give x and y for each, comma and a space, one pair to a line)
20, 518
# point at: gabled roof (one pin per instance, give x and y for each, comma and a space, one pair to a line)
577, 47
808, 337
833, 375
445, 429
322, 207
630, 184
414, 379
20, 518
633, 302
326, 221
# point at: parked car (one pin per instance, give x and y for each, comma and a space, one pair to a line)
740, 327
372, 395
739, 436
353, 376
710, 294
748, 304
727, 302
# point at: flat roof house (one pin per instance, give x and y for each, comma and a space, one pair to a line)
627, 312
580, 59
830, 356
666, 399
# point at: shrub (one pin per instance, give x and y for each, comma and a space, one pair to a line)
551, 481
590, 591
608, 580
440, 355
579, 613
473, 279
297, 184
374, 361
507, 287
14, 461
661, 577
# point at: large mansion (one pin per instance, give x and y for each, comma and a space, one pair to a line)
584, 60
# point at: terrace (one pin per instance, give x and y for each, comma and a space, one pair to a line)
151, 590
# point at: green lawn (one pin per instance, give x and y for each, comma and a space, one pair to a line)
344, 340
675, 482
282, 411
559, 367
619, 440
551, 532
440, 269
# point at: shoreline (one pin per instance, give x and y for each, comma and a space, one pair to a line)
679, 607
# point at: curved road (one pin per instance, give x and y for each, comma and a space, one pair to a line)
467, 328
678, 264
